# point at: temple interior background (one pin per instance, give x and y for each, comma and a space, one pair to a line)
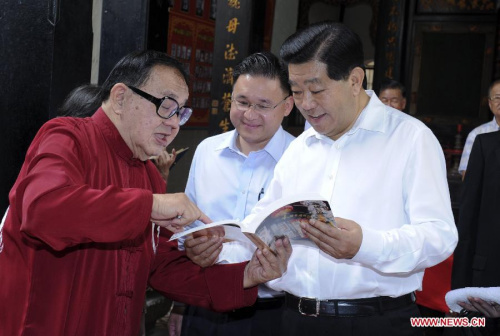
445, 52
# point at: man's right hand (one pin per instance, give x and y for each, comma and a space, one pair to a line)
266, 265
173, 211
204, 246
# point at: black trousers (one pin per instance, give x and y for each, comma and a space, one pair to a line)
261, 319
390, 323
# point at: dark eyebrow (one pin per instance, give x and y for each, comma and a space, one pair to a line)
307, 81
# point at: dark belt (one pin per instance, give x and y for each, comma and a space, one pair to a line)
347, 308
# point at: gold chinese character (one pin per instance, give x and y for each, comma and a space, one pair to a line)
388, 72
224, 125
233, 24
393, 11
390, 57
226, 102
230, 53
392, 27
233, 4
227, 76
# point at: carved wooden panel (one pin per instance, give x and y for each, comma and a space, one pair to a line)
452, 68
305, 6
456, 6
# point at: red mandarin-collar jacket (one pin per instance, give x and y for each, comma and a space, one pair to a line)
78, 251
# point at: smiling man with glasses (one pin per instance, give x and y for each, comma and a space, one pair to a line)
230, 172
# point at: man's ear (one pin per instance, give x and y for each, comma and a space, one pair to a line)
117, 97
289, 102
356, 78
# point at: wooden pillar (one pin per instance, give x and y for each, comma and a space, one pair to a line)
46, 51
232, 43
389, 51
123, 30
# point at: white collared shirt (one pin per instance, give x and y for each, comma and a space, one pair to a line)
488, 127
388, 174
226, 184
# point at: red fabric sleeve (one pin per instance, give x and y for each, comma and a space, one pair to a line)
219, 287
58, 206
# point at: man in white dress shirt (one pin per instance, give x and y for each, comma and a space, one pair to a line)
230, 172
385, 176
490, 126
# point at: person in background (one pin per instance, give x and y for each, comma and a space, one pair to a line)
384, 174
476, 256
81, 102
491, 126
230, 172
164, 162
393, 93
82, 237
488, 309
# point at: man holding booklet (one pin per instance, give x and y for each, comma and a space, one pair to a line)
82, 239
384, 175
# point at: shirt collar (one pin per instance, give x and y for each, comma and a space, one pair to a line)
113, 137
495, 124
228, 142
274, 147
372, 118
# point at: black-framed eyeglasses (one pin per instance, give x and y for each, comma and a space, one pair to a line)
166, 107
245, 106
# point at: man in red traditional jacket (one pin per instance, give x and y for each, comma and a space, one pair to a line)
81, 238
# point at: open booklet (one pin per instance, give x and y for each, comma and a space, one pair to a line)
280, 218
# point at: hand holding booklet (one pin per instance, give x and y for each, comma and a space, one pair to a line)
280, 218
